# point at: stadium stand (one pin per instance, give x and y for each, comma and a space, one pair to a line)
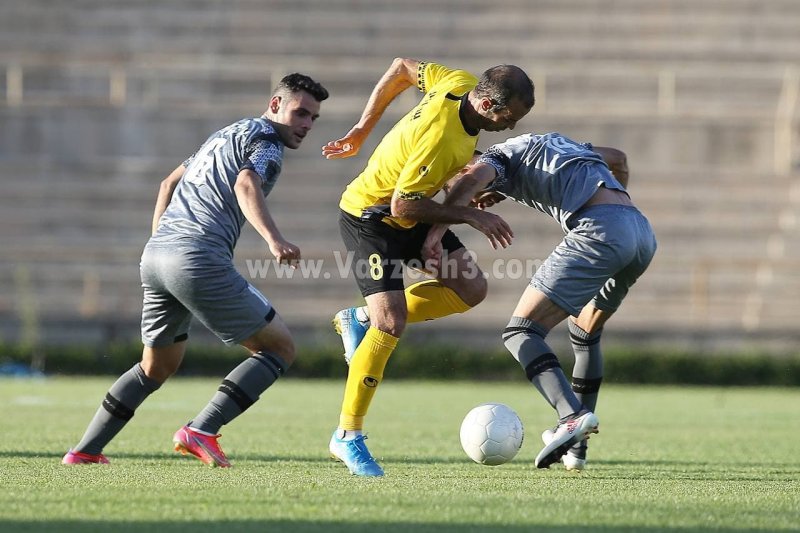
101, 99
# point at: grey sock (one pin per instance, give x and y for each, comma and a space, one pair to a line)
525, 340
122, 399
239, 390
587, 375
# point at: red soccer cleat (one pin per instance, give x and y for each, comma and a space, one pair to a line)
204, 447
78, 458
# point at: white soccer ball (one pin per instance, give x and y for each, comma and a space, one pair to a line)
491, 434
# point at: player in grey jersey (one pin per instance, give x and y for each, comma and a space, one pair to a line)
187, 270
607, 245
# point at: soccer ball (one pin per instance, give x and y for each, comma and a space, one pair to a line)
491, 434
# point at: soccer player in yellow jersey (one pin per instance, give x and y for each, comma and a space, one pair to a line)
387, 210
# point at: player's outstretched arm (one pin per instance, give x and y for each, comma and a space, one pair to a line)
254, 206
165, 191
464, 187
455, 208
400, 76
463, 191
617, 162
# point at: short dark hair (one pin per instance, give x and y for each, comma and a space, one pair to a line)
297, 82
504, 83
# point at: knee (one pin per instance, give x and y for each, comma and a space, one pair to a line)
392, 323
395, 328
285, 349
585, 330
274, 338
388, 312
160, 363
473, 292
279, 345
512, 338
520, 330
159, 370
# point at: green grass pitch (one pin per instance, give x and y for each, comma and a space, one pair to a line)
667, 459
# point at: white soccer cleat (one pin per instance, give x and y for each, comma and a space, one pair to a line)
570, 459
565, 435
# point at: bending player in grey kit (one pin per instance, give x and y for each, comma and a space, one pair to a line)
187, 269
608, 244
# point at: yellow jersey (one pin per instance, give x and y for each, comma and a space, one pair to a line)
420, 153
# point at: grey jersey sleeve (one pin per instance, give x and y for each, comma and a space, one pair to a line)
264, 156
499, 162
505, 157
188, 160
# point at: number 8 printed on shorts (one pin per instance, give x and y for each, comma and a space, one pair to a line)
375, 267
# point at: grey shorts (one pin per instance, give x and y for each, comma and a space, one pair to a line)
180, 283
607, 249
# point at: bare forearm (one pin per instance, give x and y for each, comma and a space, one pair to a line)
495, 228
454, 209
431, 212
165, 191
254, 208
400, 76
621, 173
394, 81
617, 162
460, 192
164, 196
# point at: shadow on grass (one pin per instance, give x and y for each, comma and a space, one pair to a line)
688, 466
159, 456
14, 454
608, 469
326, 526
323, 457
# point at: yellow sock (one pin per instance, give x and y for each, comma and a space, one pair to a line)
430, 299
366, 372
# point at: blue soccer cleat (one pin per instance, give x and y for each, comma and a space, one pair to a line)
355, 455
351, 329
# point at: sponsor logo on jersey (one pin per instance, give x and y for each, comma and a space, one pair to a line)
410, 195
425, 101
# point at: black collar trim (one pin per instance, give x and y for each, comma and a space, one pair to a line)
462, 114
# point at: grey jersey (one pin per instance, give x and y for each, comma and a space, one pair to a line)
549, 172
203, 212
